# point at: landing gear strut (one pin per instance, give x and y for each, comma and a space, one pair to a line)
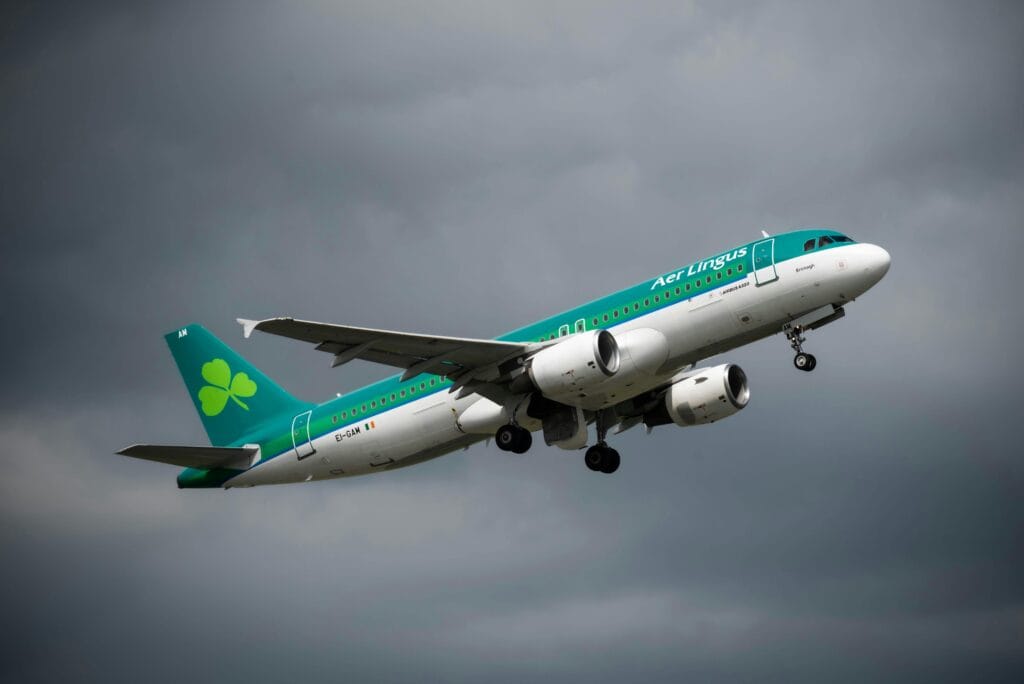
513, 438
803, 361
601, 457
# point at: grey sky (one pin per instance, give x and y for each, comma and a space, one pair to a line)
465, 168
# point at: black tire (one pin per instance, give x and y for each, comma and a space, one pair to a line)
506, 437
524, 440
611, 461
813, 364
802, 361
594, 458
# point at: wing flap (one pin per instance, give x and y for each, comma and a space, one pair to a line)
205, 457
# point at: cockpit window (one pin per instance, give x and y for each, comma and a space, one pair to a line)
824, 240
809, 245
840, 238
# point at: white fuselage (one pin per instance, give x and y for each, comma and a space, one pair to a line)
715, 321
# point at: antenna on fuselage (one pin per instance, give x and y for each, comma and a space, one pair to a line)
764, 233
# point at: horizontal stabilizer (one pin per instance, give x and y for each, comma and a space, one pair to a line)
204, 457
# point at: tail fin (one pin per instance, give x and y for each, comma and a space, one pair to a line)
232, 396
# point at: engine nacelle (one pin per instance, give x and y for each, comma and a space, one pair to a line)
707, 395
566, 371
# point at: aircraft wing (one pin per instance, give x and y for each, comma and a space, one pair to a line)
205, 457
451, 357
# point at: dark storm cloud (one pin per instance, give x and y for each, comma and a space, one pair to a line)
463, 169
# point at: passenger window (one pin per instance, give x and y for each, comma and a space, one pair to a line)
687, 287
657, 299
739, 267
824, 240
678, 292
595, 321
636, 306
728, 272
696, 283
604, 318
709, 280
615, 314
647, 301
809, 245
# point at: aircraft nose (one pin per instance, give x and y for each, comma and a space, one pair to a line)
878, 260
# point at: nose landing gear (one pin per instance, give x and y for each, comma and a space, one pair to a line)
803, 361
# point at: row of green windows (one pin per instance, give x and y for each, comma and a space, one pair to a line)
625, 311
356, 411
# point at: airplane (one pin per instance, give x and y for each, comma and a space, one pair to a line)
620, 361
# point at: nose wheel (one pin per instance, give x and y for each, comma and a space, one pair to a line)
513, 438
803, 361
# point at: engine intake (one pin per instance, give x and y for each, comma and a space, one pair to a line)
566, 371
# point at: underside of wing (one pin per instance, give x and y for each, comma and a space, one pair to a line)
205, 457
451, 357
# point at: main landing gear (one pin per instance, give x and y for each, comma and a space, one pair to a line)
602, 458
803, 361
513, 438
599, 458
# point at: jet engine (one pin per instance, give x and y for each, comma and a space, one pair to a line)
566, 371
706, 395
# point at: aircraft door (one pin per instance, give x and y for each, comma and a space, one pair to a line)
764, 262
300, 435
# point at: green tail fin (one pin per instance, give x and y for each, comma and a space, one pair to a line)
231, 395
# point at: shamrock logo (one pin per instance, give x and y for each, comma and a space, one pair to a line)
223, 385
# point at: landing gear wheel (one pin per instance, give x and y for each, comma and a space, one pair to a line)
524, 440
505, 437
602, 458
805, 362
513, 438
611, 461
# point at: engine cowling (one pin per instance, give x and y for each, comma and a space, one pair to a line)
706, 396
566, 371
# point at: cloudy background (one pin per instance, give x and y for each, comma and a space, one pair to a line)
463, 168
